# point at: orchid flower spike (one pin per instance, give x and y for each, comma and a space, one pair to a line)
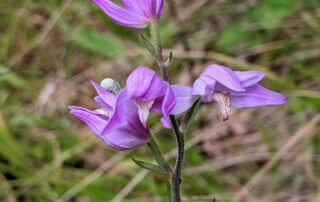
116, 122
134, 13
234, 89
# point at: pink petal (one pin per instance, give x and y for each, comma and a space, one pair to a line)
225, 76
249, 78
256, 95
122, 16
124, 130
94, 120
145, 84
185, 99
105, 98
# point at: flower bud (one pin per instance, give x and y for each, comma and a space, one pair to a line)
110, 85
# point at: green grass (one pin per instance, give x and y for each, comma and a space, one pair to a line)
50, 50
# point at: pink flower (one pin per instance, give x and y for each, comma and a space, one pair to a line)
134, 14
234, 89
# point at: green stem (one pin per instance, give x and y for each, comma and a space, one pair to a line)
155, 36
176, 177
158, 155
154, 31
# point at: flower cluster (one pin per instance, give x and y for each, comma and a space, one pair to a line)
121, 120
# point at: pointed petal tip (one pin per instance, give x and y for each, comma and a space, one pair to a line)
283, 99
74, 108
70, 107
257, 95
93, 83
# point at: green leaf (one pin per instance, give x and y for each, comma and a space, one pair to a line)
99, 43
149, 46
10, 148
270, 13
189, 117
14, 80
149, 166
158, 156
233, 34
169, 189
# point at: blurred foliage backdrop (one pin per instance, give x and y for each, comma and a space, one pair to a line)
50, 50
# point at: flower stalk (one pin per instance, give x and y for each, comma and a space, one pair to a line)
176, 176
156, 41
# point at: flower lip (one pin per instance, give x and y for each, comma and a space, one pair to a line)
223, 99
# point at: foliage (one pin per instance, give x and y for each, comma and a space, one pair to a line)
45, 154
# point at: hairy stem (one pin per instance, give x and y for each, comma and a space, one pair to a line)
154, 31
176, 177
179, 160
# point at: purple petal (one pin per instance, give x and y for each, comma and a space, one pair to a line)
249, 78
145, 84
127, 135
146, 8
203, 85
225, 76
168, 104
94, 120
124, 130
185, 99
159, 8
122, 16
101, 103
256, 95
105, 98
141, 7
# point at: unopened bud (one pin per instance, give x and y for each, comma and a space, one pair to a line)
110, 85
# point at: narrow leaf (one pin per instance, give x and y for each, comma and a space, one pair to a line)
10, 148
149, 46
99, 43
169, 192
149, 166
169, 60
189, 117
158, 156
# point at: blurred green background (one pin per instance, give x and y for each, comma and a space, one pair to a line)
50, 50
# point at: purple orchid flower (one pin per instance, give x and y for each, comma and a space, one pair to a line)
117, 122
151, 94
134, 14
121, 120
234, 89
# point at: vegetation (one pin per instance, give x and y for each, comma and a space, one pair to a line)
50, 50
